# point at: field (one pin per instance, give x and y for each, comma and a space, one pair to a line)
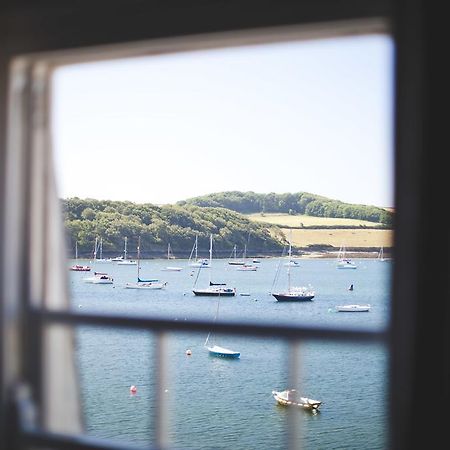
353, 238
307, 221
363, 238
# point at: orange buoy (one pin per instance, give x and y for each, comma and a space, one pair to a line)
188, 352
133, 389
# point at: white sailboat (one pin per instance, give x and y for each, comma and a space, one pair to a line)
380, 256
343, 261
291, 262
141, 283
217, 350
247, 266
214, 289
125, 261
234, 261
169, 257
98, 277
194, 260
102, 260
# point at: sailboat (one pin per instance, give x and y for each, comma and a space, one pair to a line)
169, 257
380, 256
291, 262
214, 289
234, 261
343, 261
194, 260
101, 259
216, 350
144, 284
125, 261
78, 267
293, 293
247, 267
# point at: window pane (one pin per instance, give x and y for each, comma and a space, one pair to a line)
293, 141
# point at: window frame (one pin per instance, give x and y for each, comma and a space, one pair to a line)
412, 325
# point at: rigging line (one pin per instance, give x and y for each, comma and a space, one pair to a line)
214, 321
198, 273
277, 273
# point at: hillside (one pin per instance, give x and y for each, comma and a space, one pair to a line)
303, 221
300, 203
261, 233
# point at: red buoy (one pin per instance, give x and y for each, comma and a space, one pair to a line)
133, 389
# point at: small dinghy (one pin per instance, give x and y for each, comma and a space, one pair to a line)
291, 397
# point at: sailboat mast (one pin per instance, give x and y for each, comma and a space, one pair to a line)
76, 249
210, 249
210, 254
196, 247
95, 248
125, 249
289, 261
101, 248
138, 257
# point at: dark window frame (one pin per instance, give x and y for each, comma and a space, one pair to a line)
421, 236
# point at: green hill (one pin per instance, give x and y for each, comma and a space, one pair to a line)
112, 221
302, 203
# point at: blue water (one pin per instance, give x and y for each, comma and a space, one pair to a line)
227, 404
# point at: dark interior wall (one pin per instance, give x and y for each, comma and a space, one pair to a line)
421, 311
50, 24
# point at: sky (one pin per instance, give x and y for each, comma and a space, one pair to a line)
303, 116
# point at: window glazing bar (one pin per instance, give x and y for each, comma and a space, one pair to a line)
289, 332
161, 419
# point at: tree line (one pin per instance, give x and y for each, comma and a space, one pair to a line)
180, 224
297, 203
157, 226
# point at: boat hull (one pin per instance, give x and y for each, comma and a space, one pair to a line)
148, 285
353, 308
293, 297
215, 292
221, 352
290, 398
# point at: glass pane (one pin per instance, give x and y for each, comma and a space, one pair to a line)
293, 141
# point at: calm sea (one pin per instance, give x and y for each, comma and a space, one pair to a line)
227, 404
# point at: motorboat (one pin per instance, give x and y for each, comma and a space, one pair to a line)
80, 268
291, 397
353, 308
99, 278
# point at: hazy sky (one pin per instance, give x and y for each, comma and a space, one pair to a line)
312, 116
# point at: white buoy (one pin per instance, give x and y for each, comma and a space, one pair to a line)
188, 352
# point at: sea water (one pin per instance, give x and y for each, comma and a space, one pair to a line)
218, 403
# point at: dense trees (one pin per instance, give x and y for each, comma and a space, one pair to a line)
219, 214
87, 219
298, 203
